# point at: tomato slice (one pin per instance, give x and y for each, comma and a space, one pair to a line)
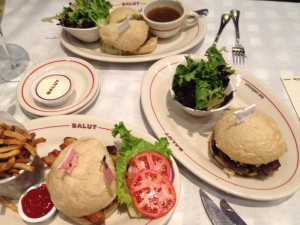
148, 160
152, 193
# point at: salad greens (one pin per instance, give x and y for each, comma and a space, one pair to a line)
198, 84
132, 146
83, 14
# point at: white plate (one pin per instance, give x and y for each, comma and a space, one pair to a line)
55, 128
178, 44
189, 135
77, 111
86, 84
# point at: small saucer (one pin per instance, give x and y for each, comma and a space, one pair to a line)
86, 85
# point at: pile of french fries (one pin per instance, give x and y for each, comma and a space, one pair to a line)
17, 150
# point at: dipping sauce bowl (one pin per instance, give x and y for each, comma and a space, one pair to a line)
35, 204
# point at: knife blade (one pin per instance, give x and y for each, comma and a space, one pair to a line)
231, 214
215, 214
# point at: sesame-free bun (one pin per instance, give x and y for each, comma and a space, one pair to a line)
256, 140
130, 40
84, 191
119, 14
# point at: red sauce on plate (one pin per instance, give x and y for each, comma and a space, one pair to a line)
37, 203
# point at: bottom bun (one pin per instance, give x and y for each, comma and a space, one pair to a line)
108, 211
232, 167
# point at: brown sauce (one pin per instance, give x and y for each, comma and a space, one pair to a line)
163, 14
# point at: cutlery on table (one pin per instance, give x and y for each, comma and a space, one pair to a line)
238, 50
202, 12
225, 18
218, 216
230, 213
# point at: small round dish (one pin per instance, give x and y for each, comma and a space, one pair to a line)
52, 89
41, 194
195, 112
84, 34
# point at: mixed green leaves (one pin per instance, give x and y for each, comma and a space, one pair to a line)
198, 84
83, 14
132, 146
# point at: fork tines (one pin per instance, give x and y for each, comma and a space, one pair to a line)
238, 54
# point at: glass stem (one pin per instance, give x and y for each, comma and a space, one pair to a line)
13, 63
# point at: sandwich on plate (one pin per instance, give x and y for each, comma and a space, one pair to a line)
249, 147
78, 183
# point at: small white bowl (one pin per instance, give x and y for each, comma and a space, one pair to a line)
52, 89
85, 34
195, 112
34, 220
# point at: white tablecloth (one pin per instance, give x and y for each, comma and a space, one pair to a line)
270, 32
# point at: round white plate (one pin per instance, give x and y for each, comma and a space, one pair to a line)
182, 42
54, 129
86, 84
77, 111
189, 135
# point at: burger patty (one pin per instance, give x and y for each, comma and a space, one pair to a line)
242, 168
96, 218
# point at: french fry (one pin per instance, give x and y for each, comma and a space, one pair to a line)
25, 133
23, 166
15, 135
9, 148
23, 160
12, 142
10, 154
30, 149
9, 204
7, 165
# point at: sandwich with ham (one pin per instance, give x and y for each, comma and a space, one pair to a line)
251, 147
78, 184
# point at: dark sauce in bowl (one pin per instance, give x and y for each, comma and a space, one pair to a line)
163, 14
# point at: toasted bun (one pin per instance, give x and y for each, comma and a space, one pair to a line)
129, 40
84, 191
256, 140
119, 14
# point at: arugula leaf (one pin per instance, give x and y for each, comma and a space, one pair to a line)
199, 83
132, 146
83, 14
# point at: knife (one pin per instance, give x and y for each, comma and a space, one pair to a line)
215, 214
230, 213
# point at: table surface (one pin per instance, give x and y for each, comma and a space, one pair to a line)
270, 32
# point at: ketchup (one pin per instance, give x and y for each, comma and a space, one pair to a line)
37, 203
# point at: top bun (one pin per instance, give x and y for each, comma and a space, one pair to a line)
256, 140
84, 191
130, 40
121, 13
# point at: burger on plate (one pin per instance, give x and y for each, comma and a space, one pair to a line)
126, 34
84, 194
251, 147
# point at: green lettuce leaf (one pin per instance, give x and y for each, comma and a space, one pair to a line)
83, 14
199, 83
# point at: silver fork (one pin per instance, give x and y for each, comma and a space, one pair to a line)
238, 50
225, 18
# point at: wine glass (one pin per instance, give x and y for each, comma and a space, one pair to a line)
14, 59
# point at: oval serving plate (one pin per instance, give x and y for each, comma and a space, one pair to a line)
87, 126
180, 43
189, 135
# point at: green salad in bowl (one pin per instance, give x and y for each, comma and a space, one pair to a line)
83, 18
202, 87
